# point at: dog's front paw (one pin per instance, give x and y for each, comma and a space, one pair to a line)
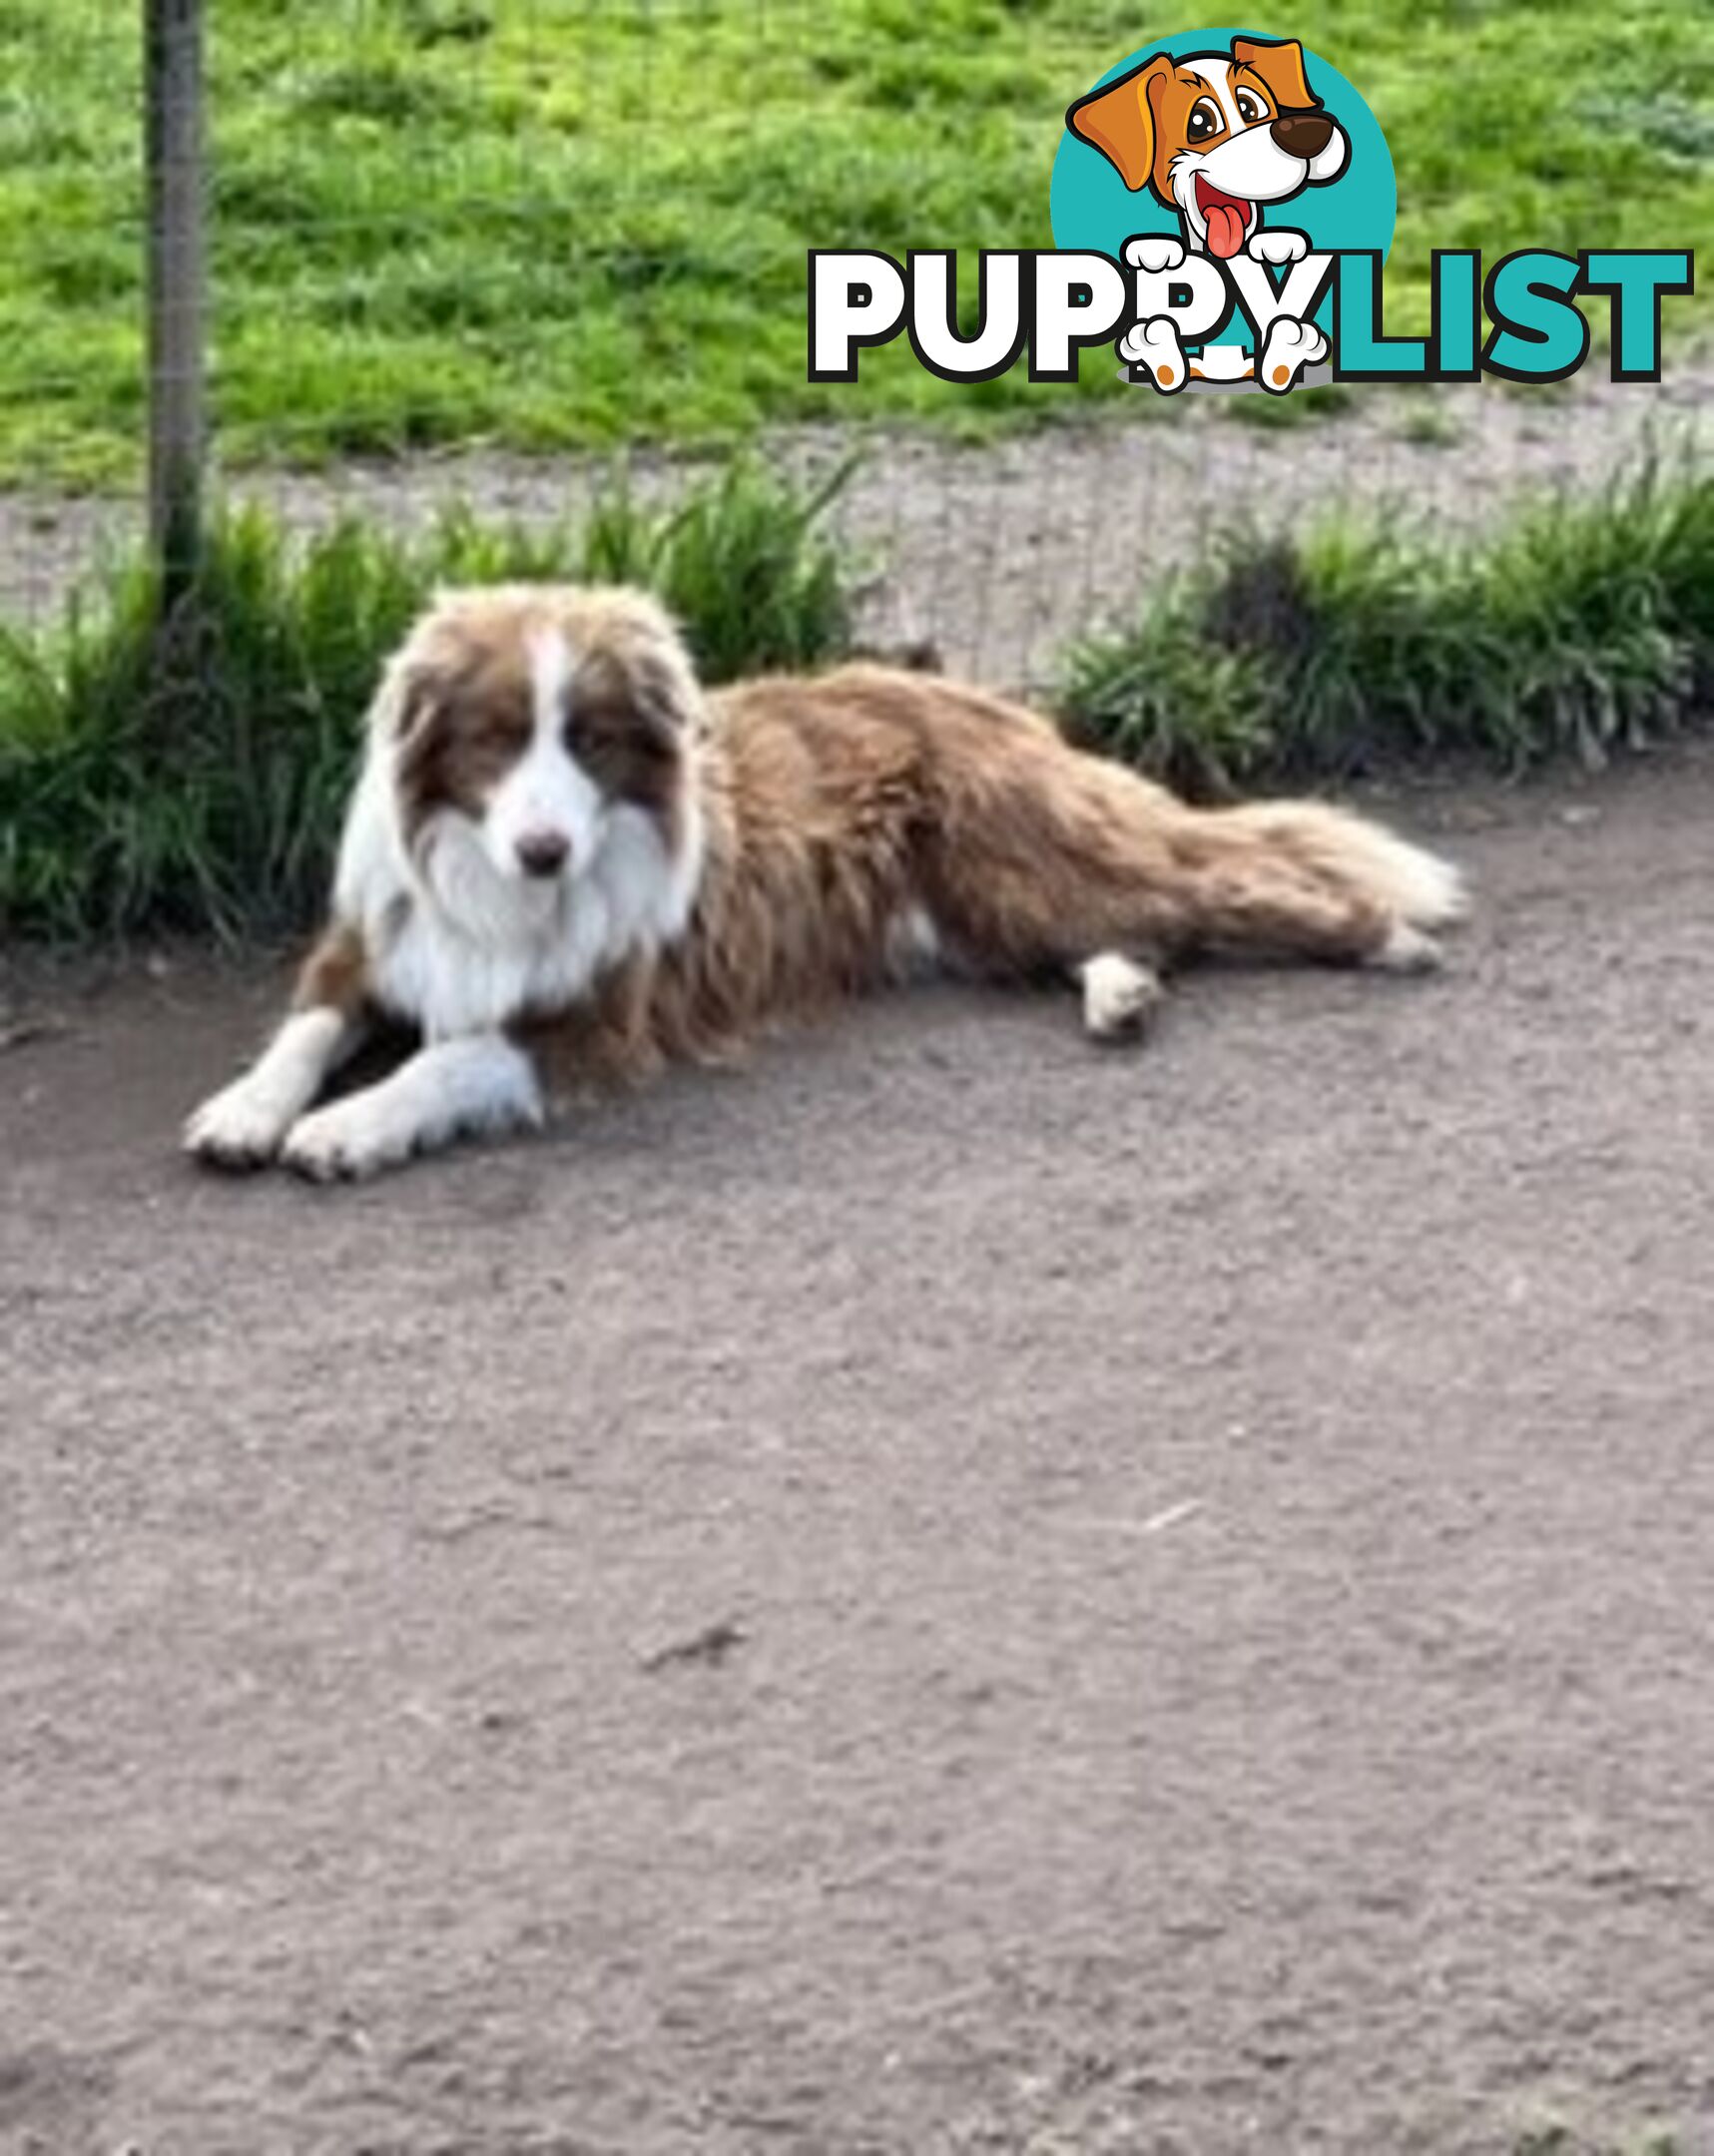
240, 1128
345, 1142
1291, 346
1155, 251
1277, 247
1154, 345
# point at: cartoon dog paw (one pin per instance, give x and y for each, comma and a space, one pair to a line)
1154, 345
1291, 346
1277, 247
1155, 251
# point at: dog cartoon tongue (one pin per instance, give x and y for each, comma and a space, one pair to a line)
1227, 217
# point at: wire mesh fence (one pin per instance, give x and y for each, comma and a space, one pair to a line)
501, 250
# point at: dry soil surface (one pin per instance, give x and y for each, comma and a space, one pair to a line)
946, 1592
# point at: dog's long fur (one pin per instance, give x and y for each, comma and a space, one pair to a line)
562, 861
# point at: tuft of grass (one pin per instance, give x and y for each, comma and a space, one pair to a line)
1578, 629
1549, 2135
1429, 426
1310, 402
551, 224
182, 765
746, 563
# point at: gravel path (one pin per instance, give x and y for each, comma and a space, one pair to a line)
946, 1592
995, 557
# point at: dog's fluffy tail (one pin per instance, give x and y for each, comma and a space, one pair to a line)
1350, 853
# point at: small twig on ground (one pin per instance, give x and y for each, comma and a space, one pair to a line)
1156, 1523
20, 1032
1172, 1514
711, 1647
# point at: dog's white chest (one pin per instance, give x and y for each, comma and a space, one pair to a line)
449, 983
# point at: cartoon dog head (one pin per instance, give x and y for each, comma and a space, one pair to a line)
1216, 136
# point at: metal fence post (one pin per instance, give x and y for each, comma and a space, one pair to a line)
172, 155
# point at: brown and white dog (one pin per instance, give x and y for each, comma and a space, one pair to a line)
563, 860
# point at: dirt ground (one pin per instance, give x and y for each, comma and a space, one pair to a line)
946, 1592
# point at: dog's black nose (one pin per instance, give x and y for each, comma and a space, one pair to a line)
542, 853
1302, 134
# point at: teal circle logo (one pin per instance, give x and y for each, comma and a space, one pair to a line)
1215, 136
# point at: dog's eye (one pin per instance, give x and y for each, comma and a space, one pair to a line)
1250, 107
1204, 120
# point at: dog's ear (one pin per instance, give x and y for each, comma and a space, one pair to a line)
417, 700
407, 702
633, 705
1279, 63
1119, 119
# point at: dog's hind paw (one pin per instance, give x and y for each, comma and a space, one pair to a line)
1118, 995
1406, 950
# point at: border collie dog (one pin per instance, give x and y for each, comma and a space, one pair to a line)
564, 860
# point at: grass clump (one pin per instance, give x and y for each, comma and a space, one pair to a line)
182, 765
745, 562
1577, 629
548, 223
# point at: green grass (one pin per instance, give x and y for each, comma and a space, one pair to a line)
553, 223
1550, 2136
1578, 629
186, 772
1314, 400
184, 766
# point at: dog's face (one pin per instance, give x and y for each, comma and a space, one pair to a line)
1216, 136
530, 724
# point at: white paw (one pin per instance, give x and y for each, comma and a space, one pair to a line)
240, 1127
1406, 950
1118, 995
1154, 345
1291, 346
1277, 246
348, 1141
1154, 252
